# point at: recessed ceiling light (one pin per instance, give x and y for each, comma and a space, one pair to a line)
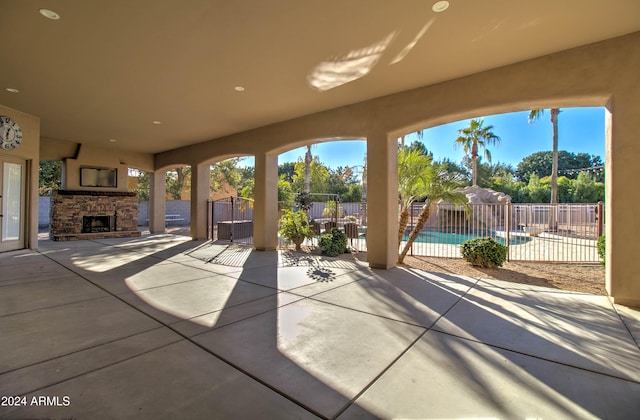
49, 14
440, 6
157, 122
113, 140
239, 88
13, 90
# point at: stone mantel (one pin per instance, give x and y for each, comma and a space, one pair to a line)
96, 193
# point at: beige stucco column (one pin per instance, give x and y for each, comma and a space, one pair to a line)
199, 195
622, 199
382, 201
265, 208
157, 201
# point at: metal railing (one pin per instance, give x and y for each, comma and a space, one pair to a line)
532, 232
351, 219
230, 219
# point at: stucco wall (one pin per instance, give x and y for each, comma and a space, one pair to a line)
585, 76
29, 150
57, 149
600, 74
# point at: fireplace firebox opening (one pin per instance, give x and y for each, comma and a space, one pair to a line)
98, 224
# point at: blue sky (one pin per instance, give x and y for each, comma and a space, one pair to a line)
580, 130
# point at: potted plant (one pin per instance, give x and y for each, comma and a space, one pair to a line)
294, 227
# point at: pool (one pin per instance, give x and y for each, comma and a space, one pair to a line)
452, 238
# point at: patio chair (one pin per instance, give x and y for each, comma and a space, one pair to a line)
316, 228
328, 226
351, 230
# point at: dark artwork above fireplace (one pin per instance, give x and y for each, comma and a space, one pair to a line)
98, 224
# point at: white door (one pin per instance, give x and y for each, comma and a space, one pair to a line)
12, 199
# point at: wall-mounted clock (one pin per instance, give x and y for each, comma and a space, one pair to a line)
10, 133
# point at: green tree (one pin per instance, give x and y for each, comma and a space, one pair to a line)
50, 176
225, 172
583, 189
565, 189
507, 184
587, 190
247, 175
535, 115
353, 194
247, 190
418, 146
474, 138
318, 176
343, 181
499, 169
537, 191
414, 171
569, 164
438, 185
307, 170
454, 169
336, 183
285, 191
487, 172
175, 181
143, 186
288, 169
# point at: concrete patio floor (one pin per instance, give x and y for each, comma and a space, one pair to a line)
164, 327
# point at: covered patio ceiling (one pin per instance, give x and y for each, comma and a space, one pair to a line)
105, 71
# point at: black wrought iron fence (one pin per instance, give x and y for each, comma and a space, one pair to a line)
532, 232
230, 219
351, 218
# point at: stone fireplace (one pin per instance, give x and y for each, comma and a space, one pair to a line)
93, 215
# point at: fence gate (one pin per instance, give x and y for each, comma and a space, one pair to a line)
230, 219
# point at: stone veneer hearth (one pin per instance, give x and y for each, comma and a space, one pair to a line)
69, 207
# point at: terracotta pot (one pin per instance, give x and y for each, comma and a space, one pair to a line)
298, 242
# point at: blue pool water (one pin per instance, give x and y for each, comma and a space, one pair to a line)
452, 238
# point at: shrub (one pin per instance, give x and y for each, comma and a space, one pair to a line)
602, 249
334, 243
484, 252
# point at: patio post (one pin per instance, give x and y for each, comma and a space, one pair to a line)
265, 207
622, 196
199, 195
157, 201
382, 201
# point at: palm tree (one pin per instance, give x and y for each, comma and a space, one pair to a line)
436, 184
535, 115
473, 138
413, 170
307, 170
